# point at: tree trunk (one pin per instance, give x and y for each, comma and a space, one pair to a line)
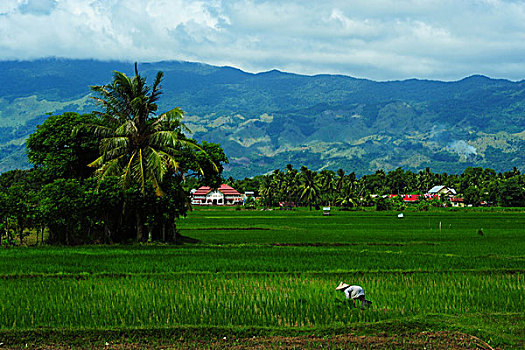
107, 233
164, 232
140, 227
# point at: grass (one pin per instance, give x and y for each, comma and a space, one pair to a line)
275, 273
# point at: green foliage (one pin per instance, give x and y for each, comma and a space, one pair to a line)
142, 163
250, 203
135, 143
307, 187
19, 210
59, 152
510, 192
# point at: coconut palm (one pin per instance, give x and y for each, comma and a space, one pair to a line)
267, 190
340, 180
136, 144
290, 185
349, 194
327, 184
309, 187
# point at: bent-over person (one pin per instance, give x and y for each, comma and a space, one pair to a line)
353, 293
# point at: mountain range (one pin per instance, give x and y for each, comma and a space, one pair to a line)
267, 120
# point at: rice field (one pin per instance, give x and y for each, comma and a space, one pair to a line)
247, 299
279, 270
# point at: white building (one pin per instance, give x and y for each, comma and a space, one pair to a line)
224, 195
442, 191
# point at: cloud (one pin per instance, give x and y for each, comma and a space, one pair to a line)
383, 39
461, 147
37, 7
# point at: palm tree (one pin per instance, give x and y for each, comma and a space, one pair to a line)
290, 185
267, 190
340, 179
309, 187
328, 186
349, 195
136, 144
278, 184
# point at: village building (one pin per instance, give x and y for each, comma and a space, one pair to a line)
224, 195
415, 198
457, 202
442, 191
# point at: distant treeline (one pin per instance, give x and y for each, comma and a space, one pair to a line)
307, 187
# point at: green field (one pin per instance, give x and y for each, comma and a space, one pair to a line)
274, 273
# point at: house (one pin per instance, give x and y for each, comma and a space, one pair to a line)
224, 195
407, 198
442, 191
457, 202
414, 198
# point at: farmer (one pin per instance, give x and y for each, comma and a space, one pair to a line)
354, 292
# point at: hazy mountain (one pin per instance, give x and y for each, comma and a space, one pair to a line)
267, 120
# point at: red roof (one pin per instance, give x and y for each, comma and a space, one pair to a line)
229, 190
225, 189
202, 191
406, 197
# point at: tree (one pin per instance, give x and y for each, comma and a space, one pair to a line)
510, 193
58, 152
205, 163
340, 179
267, 190
136, 144
291, 183
348, 196
327, 185
18, 201
64, 207
309, 187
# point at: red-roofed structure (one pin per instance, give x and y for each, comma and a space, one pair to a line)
414, 198
457, 202
224, 195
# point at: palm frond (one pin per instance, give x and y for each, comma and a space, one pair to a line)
109, 144
109, 168
127, 128
169, 160
127, 172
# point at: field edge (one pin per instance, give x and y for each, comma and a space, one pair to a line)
483, 334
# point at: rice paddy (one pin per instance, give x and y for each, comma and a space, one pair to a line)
279, 270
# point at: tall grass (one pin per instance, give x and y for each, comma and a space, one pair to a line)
248, 299
257, 258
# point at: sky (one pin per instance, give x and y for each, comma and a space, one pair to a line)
373, 39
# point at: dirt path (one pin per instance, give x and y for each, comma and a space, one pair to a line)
422, 340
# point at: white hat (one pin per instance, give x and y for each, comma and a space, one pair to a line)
342, 286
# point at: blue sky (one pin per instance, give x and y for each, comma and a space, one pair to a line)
380, 40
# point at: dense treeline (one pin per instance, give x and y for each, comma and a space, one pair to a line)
114, 175
76, 207
307, 187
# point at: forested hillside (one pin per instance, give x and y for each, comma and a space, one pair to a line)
267, 120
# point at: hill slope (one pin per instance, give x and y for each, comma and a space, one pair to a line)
267, 120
